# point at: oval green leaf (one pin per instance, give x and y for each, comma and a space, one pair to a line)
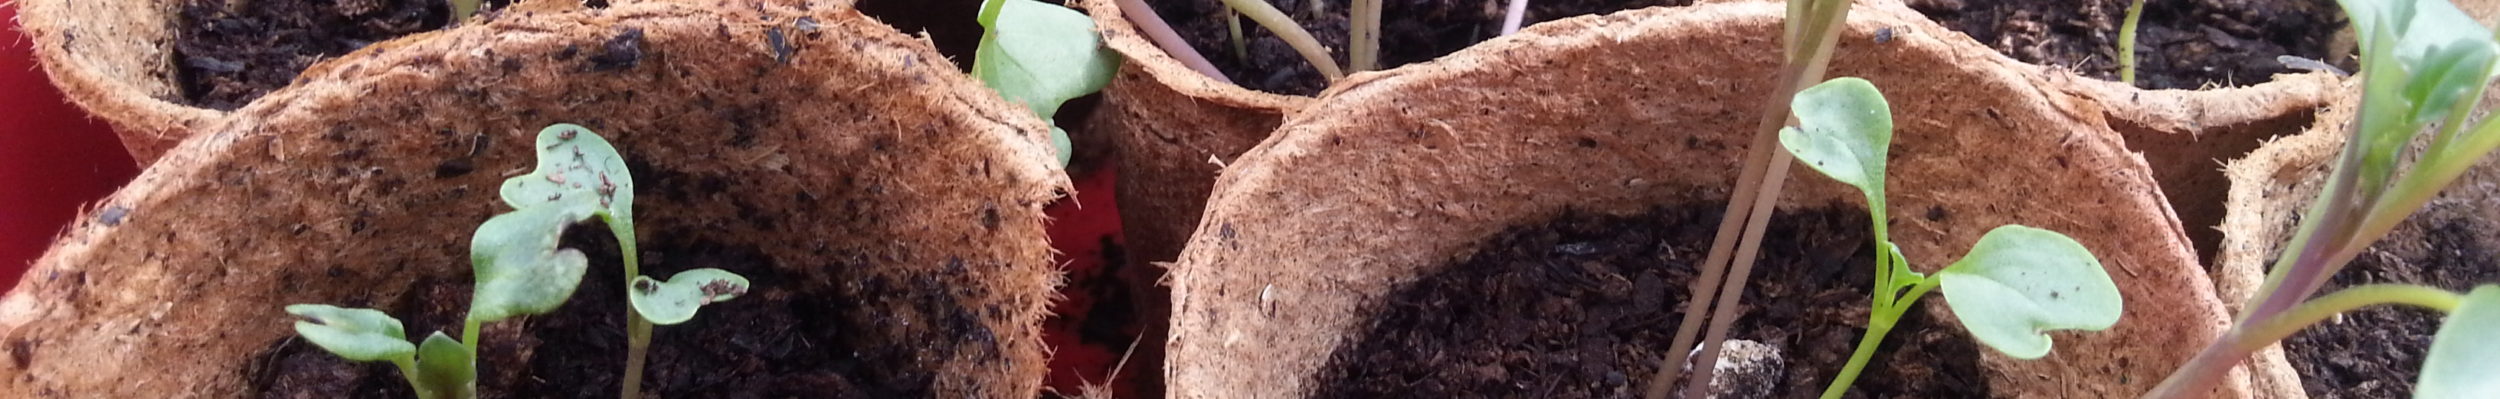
675, 301
2464, 356
446, 368
1844, 130
363, 335
520, 270
1041, 55
2020, 282
573, 161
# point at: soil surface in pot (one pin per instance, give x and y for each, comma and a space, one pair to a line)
230, 52
2179, 44
792, 336
1582, 307
2184, 45
1411, 31
2377, 352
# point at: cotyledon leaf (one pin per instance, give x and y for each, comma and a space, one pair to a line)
676, 299
2020, 282
520, 269
363, 335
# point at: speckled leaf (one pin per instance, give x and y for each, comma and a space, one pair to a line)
2020, 282
675, 300
2464, 356
363, 335
573, 161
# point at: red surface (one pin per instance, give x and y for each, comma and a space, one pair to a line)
1080, 226
53, 157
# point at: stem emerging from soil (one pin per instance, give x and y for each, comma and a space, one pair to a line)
1366, 36
2198, 377
1756, 194
1161, 33
2126, 43
1232, 23
1283, 26
637, 329
1518, 12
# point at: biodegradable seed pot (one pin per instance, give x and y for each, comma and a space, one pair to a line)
2373, 352
1467, 168
886, 208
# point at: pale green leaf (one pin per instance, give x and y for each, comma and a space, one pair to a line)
1041, 55
573, 161
520, 270
2020, 282
675, 300
1844, 130
363, 335
445, 368
2465, 356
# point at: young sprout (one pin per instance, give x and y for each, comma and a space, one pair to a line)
1365, 37
520, 271
1041, 55
1283, 26
2424, 65
2015, 285
1511, 18
573, 162
2126, 42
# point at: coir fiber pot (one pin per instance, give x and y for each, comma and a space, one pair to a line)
887, 208
1390, 177
1173, 129
114, 58
2375, 352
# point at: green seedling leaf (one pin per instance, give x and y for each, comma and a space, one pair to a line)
1041, 55
2464, 357
2020, 282
445, 368
675, 301
520, 271
1844, 130
363, 335
575, 162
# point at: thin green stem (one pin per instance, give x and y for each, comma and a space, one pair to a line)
1880, 322
2126, 42
1857, 361
1232, 23
637, 329
1757, 184
1266, 15
2199, 376
1366, 37
462, 9
408, 370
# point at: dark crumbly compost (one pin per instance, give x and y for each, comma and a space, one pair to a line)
1582, 306
2377, 352
2179, 44
1411, 31
230, 52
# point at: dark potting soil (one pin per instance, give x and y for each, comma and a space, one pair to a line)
1411, 31
778, 341
2377, 352
229, 52
1582, 306
2179, 44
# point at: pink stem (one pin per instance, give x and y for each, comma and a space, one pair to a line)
1518, 11
1162, 35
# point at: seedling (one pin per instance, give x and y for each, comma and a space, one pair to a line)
1807, 37
521, 271
2424, 65
2016, 284
1041, 55
2126, 42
